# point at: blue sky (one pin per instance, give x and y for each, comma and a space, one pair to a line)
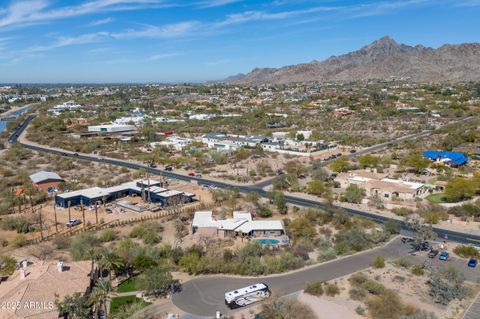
189, 41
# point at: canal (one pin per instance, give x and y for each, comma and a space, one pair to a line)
3, 124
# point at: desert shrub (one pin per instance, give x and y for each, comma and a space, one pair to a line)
402, 262
151, 238
420, 315
137, 232
3, 242
358, 279
360, 310
108, 235
402, 211
326, 255
417, 271
392, 227
378, 262
61, 242
7, 265
314, 288
373, 287
286, 308
332, 289
81, 244
358, 294
265, 211
19, 241
446, 285
387, 305
353, 194
466, 251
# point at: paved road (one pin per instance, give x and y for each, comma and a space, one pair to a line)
203, 296
452, 235
378, 147
474, 311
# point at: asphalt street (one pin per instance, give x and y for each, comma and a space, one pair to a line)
452, 235
203, 296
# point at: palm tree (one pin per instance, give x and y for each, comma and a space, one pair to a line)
111, 262
101, 293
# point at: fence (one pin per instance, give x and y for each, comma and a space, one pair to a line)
118, 222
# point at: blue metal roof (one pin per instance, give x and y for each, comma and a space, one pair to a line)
456, 157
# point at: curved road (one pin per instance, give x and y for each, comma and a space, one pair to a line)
452, 235
203, 296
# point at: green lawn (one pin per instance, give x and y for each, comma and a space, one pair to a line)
118, 302
128, 285
437, 198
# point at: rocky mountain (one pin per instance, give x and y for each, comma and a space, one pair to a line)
382, 59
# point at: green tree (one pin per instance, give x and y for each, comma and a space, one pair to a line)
111, 262
417, 162
341, 164
368, 161
7, 265
280, 203
460, 188
101, 294
265, 211
316, 187
156, 280
392, 227
353, 194
301, 228
76, 306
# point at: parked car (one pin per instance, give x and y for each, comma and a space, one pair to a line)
153, 165
425, 246
443, 256
353, 151
73, 223
168, 168
407, 240
433, 253
108, 211
75, 154
191, 174
472, 263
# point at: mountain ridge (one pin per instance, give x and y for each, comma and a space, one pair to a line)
382, 59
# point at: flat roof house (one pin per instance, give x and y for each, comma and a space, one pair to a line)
204, 223
46, 180
111, 128
447, 158
152, 190
379, 185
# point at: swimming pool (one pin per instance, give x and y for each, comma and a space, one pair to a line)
266, 241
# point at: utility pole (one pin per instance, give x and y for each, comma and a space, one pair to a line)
41, 223
83, 212
96, 211
55, 214
69, 215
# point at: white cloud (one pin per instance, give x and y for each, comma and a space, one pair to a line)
100, 22
26, 12
68, 41
166, 31
157, 57
215, 3
218, 62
